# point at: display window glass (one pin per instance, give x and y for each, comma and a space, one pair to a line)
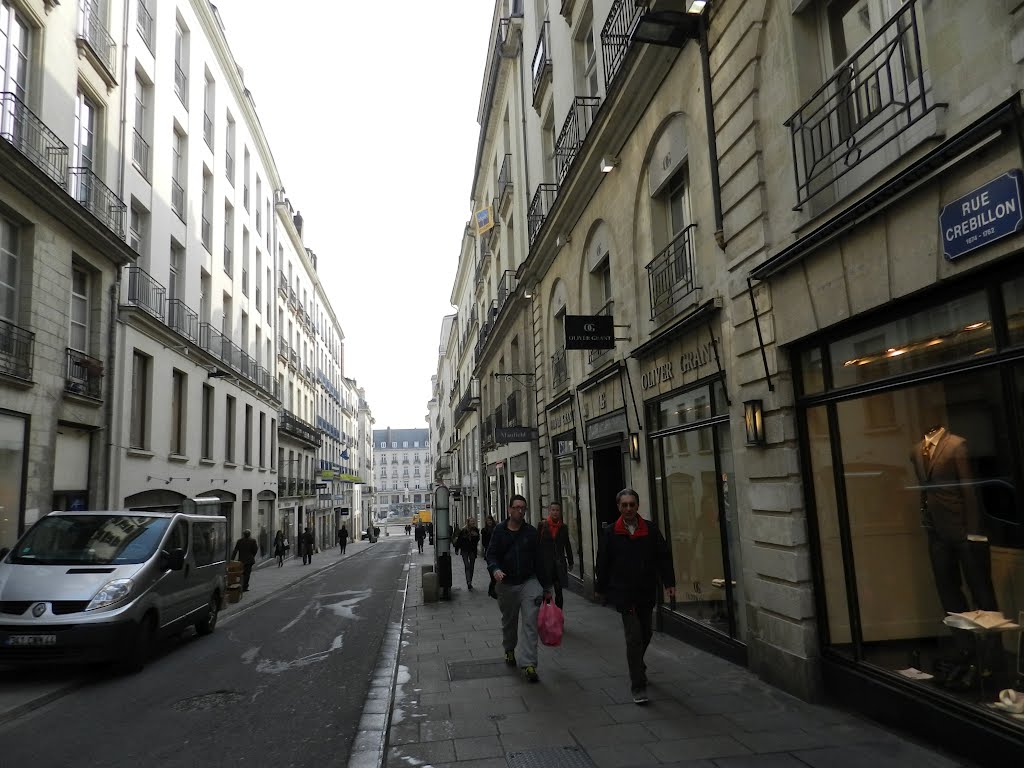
567, 494
12, 466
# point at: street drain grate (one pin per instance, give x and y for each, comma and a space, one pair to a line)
207, 701
550, 757
474, 670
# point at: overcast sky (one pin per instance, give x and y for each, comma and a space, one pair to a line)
370, 112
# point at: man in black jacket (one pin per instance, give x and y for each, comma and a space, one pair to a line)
246, 549
513, 561
633, 558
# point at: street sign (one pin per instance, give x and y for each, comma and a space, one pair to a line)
589, 332
514, 434
989, 213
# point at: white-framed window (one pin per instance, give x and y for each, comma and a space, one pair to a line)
85, 132
178, 175
139, 427
179, 400
585, 55
209, 109
229, 150
8, 270
138, 233
175, 284
229, 428
207, 422
143, 125
15, 51
78, 335
181, 62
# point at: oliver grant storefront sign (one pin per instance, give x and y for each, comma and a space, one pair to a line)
589, 332
989, 213
691, 359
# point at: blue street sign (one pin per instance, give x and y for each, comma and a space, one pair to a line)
989, 213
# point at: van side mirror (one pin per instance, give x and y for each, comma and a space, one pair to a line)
175, 559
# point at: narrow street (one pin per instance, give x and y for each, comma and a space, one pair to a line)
283, 683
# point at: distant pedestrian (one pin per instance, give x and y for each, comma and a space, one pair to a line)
513, 560
306, 543
555, 550
280, 547
246, 548
430, 534
466, 545
421, 534
633, 558
343, 538
485, 541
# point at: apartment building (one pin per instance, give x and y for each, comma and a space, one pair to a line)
802, 220
402, 471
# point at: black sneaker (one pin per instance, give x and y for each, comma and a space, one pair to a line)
640, 696
510, 658
530, 673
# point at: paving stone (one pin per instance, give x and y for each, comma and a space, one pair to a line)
491, 762
478, 747
424, 752
760, 761
439, 730
631, 713
786, 740
550, 737
690, 727
403, 734
492, 707
698, 748
620, 756
895, 754
621, 734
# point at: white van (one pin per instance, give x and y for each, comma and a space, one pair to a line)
91, 586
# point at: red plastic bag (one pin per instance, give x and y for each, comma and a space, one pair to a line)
550, 621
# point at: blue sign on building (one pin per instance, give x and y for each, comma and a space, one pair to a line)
987, 214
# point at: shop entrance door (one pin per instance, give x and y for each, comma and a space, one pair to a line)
608, 480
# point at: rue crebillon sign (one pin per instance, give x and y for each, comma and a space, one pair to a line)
589, 332
988, 213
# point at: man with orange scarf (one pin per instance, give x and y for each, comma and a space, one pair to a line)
633, 558
555, 550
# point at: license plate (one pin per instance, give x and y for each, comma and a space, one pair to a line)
32, 640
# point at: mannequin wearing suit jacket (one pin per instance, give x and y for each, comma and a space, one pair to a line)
949, 511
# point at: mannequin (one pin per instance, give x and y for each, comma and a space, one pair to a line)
957, 545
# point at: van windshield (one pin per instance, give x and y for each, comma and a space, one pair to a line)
90, 540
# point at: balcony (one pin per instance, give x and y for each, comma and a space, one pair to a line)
295, 427
293, 299
211, 340
540, 206
874, 97
82, 374
282, 285
283, 349
540, 66
182, 320
617, 35
505, 186
92, 30
144, 23
145, 293
559, 369
140, 154
178, 199
574, 131
506, 287
97, 198
595, 355
293, 358
16, 347
29, 135
670, 274
181, 84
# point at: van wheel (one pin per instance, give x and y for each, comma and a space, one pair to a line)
141, 647
208, 623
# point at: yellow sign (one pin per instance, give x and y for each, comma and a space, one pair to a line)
484, 220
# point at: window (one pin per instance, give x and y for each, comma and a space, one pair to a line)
205, 305
179, 398
245, 262
585, 54
229, 239
273, 443
138, 233
246, 163
178, 175
79, 315
248, 435
15, 52
85, 133
144, 22
138, 432
207, 422
143, 128
209, 543
263, 439
229, 151
181, 63
8, 270
207, 202
209, 110
258, 272
229, 429
175, 288
259, 196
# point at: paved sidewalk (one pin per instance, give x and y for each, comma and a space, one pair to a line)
704, 713
26, 689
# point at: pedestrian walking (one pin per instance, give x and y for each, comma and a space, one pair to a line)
280, 547
485, 541
421, 534
633, 558
466, 545
306, 543
246, 549
513, 560
555, 550
343, 538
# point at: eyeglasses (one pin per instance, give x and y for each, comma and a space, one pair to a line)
519, 506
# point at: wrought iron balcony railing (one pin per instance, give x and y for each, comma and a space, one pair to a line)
671, 275
86, 187
596, 354
283, 348
140, 154
92, 28
871, 99
540, 206
541, 63
574, 131
144, 22
145, 293
181, 84
178, 199
183, 320
211, 340
82, 374
559, 369
282, 285
617, 35
22, 128
16, 347
296, 427
506, 286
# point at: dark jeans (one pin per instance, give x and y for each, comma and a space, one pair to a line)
419, 543
953, 562
307, 556
469, 561
343, 543
560, 578
246, 573
637, 627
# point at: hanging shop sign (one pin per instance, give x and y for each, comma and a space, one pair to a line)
515, 434
589, 332
989, 213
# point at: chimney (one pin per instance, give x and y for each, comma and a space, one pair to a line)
297, 220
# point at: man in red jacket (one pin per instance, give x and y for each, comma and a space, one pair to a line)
633, 558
